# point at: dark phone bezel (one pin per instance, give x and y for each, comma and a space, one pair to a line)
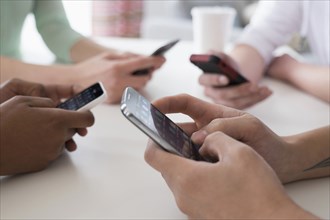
215, 65
159, 52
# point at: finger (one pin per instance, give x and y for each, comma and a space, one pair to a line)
247, 101
130, 65
245, 128
219, 146
162, 161
21, 87
232, 92
236, 127
58, 92
137, 82
74, 119
82, 131
71, 145
197, 109
211, 80
36, 101
188, 128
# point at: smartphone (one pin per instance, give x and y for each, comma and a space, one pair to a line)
159, 52
170, 137
86, 99
214, 64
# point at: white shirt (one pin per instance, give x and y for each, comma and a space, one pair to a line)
276, 21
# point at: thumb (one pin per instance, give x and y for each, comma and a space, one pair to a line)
218, 146
37, 101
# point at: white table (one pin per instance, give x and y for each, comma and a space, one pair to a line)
107, 176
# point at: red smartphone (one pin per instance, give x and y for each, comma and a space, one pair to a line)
214, 64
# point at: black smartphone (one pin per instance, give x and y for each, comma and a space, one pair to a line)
86, 99
170, 137
214, 64
159, 52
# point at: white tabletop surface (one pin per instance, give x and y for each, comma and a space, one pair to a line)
107, 176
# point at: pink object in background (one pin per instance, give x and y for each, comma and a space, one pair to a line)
120, 18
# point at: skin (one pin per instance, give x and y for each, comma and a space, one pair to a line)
92, 63
310, 78
250, 64
27, 111
239, 186
288, 156
242, 183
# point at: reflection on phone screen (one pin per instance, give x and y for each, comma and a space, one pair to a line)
161, 125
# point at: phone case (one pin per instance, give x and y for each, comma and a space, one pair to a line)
214, 64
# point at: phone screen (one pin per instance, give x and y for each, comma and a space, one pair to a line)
83, 98
158, 126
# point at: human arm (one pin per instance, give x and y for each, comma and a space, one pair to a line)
115, 74
240, 185
270, 27
311, 78
61, 39
43, 132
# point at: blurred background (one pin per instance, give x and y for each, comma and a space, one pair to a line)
168, 19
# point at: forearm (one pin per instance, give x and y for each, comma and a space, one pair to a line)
312, 79
54, 74
249, 61
86, 48
311, 152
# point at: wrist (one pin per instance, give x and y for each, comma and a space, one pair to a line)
288, 165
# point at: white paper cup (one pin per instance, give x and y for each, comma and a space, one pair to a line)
212, 27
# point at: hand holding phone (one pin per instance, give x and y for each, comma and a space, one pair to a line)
159, 52
86, 99
170, 137
214, 64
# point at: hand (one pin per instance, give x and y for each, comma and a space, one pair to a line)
201, 112
16, 87
116, 74
248, 129
240, 96
209, 118
43, 132
240, 186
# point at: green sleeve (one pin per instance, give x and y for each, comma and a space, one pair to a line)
54, 27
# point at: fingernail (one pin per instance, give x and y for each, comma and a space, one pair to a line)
223, 80
199, 136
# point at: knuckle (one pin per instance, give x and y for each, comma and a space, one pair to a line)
184, 96
245, 153
180, 201
255, 123
89, 118
115, 68
20, 99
